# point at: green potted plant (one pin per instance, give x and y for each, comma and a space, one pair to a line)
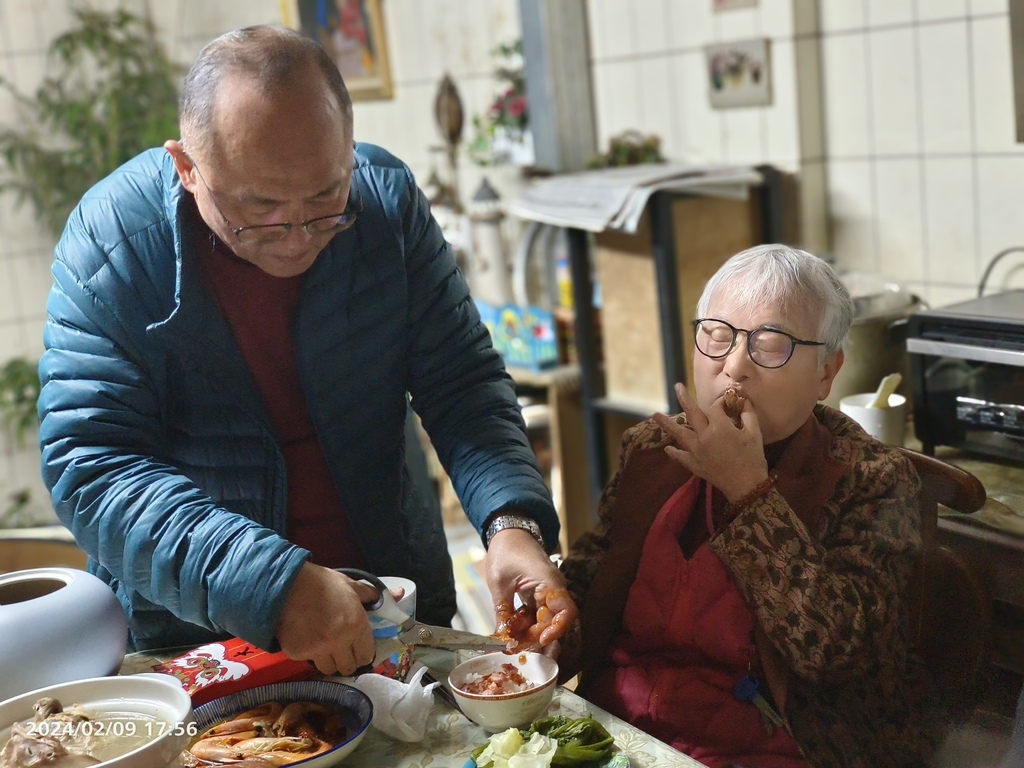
110, 92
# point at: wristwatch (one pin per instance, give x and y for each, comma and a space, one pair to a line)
501, 522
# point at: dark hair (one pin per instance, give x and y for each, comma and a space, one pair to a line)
271, 56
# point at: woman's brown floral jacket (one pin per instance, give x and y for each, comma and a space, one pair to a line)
824, 559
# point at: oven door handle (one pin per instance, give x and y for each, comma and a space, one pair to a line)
965, 351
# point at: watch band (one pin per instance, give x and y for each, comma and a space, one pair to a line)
501, 522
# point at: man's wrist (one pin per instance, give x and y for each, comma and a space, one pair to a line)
504, 521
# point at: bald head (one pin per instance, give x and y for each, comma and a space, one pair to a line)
265, 61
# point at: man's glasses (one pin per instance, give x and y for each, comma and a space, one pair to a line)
767, 347
264, 234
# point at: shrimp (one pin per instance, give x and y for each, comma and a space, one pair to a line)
259, 719
310, 720
282, 750
221, 749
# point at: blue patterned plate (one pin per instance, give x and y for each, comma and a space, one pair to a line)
357, 705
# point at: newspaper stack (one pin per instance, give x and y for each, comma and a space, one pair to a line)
615, 198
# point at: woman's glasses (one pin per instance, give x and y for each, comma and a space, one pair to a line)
768, 347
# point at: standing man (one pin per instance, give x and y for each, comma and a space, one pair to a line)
236, 323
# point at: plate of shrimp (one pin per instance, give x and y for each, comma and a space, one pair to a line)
308, 723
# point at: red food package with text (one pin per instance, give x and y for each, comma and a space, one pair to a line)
217, 669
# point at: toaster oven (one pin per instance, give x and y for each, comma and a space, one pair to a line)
967, 375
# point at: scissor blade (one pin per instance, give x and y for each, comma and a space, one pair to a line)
451, 639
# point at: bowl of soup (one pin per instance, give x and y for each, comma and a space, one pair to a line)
133, 721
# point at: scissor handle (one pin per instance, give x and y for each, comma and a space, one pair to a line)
357, 574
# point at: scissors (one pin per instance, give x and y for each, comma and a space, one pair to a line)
413, 632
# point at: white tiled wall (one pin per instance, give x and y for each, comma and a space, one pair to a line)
922, 176
924, 172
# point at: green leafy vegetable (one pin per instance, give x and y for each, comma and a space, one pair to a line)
580, 741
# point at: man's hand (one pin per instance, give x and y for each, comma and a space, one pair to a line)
516, 564
323, 621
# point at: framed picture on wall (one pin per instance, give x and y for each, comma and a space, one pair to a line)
352, 31
739, 74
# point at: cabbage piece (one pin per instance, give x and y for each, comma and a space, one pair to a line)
536, 753
500, 748
508, 750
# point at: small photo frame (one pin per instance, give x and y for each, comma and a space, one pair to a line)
739, 74
352, 32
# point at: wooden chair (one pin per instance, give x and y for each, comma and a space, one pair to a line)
950, 606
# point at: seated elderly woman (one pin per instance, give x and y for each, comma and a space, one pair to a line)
740, 598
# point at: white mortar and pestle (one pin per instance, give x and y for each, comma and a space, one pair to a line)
882, 413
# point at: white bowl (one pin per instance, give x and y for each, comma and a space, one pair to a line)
57, 625
155, 695
357, 703
507, 710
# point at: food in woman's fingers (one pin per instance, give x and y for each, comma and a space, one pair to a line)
733, 404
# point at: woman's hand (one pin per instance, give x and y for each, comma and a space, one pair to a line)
712, 447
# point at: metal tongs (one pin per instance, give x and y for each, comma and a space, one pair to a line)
413, 632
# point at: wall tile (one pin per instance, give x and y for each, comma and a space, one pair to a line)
853, 215
1000, 190
932, 10
945, 87
846, 96
502, 18
950, 220
993, 86
613, 30
654, 90
403, 39
893, 85
618, 99
703, 125
880, 13
741, 24
27, 71
843, 16
900, 231
983, 7
30, 275
680, 101
744, 140
692, 24
21, 230
782, 136
776, 18
52, 18
651, 20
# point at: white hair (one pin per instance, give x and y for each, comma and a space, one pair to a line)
788, 278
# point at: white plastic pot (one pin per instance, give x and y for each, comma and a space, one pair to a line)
57, 625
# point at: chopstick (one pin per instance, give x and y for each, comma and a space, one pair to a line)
441, 690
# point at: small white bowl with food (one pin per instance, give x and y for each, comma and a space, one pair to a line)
501, 690
135, 721
307, 723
